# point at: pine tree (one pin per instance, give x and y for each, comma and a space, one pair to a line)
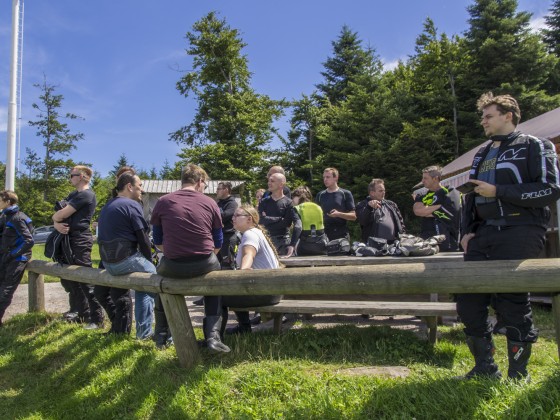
349, 61
233, 124
551, 34
58, 140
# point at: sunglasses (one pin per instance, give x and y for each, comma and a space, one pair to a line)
240, 215
73, 175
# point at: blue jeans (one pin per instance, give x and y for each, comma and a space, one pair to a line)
143, 301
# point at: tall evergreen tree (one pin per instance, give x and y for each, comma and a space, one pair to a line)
436, 67
551, 33
233, 124
302, 146
349, 61
507, 57
58, 140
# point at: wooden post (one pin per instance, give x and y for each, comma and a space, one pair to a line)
36, 292
556, 315
181, 329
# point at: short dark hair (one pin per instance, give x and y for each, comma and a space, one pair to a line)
8, 196
374, 182
127, 177
504, 104
124, 169
303, 193
227, 185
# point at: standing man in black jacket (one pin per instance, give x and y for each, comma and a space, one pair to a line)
379, 217
277, 214
227, 206
15, 248
505, 218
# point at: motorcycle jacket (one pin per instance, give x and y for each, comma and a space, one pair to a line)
527, 179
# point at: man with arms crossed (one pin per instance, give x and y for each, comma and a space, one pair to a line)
505, 218
74, 220
438, 209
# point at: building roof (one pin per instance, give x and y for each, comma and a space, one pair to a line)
546, 125
157, 186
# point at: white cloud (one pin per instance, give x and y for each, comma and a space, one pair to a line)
536, 24
391, 65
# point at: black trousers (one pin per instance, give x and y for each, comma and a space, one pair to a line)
191, 267
10, 278
81, 295
513, 310
337, 232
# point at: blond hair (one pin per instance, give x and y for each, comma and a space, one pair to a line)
86, 172
254, 214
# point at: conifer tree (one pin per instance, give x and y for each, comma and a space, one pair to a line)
233, 125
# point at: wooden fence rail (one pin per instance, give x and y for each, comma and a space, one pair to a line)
537, 276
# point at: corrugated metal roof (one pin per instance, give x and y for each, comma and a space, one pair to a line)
158, 186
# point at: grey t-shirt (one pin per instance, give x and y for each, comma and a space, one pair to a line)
265, 258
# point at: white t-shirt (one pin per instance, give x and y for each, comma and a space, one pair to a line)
265, 258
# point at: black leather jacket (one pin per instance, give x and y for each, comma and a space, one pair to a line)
366, 217
527, 181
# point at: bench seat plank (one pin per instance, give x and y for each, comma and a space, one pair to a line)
358, 307
429, 311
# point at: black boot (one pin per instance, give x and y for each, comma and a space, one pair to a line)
243, 326
211, 326
518, 355
162, 334
482, 349
225, 316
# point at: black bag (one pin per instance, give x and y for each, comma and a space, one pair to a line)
339, 246
378, 243
58, 249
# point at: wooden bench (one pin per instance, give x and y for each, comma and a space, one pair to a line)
444, 277
428, 311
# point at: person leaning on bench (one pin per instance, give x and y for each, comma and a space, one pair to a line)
187, 228
256, 252
124, 246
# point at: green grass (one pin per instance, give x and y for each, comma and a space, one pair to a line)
53, 370
39, 254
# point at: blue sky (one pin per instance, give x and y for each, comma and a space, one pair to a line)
116, 62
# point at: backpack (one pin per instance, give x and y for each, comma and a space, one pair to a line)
58, 249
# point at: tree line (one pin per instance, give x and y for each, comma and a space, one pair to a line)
361, 118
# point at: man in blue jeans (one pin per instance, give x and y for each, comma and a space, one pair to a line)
125, 248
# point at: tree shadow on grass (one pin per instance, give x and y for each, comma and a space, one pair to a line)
83, 374
73, 373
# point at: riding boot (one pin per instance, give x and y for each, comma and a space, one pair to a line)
518, 355
211, 326
244, 324
162, 334
482, 348
225, 316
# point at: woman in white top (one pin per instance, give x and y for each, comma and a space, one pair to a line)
255, 252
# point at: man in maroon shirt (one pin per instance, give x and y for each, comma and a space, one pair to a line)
187, 227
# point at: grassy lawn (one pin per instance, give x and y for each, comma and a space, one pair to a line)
53, 370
